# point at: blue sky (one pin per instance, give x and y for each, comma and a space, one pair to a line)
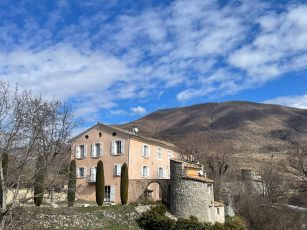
115, 61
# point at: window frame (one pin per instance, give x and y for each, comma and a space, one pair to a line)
163, 176
107, 199
84, 151
159, 153
84, 172
117, 151
143, 150
148, 172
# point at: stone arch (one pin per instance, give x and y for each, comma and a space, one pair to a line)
154, 191
137, 189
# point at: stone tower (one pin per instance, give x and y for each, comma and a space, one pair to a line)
192, 195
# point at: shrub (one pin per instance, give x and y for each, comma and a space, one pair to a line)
217, 226
153, 220
160, 209
188, 224
39, 181
100, 184
71, 192
124, 183
235, 223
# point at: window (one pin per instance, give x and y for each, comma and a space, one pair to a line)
92, 177
80, 151
109, 193
81, 172
159, 153
169, 154
160, 172
146, 151
96, 150
218, 211
145, 171
118, 147
117, 170
210, 189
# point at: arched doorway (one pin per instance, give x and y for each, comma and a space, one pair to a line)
154, 192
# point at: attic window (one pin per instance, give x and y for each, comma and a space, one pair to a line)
100, 134
86, 136
114, 134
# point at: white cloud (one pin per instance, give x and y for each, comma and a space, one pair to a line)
299, 101
138, 110
282, 40
202, 47
118, 112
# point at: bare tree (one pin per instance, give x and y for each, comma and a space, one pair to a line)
213, 151
297, 158
271, 183
30, 126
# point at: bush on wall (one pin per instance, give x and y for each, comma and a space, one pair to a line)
155, 219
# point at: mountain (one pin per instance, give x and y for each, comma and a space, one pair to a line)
252, 127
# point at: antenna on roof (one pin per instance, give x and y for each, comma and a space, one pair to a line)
135, 129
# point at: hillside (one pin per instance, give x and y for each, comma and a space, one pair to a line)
252, 127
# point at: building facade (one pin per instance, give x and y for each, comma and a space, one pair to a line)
147, 158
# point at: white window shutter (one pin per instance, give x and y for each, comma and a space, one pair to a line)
148, 151
93, 174
142, 171
112, 193
118, 170
85, 151
92, 150
122, 146
77, 173
164, 173
85, 172
78, 152
101, 149
113, 148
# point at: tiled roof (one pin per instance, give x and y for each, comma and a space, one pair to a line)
187, 164
217, 204
198, 178
129, 133
140, 136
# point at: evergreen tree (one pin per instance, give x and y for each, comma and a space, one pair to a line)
71, 192
124, 182
100, 183
39, 179
5, 162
